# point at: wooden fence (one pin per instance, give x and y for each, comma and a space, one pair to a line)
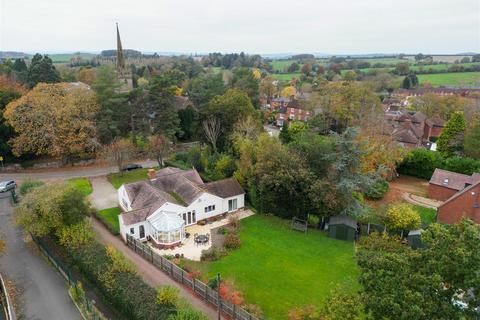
8, 313
181, 276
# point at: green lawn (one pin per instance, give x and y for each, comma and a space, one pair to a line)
82, 184
110, 218
278, 268
285, 76
117, 179
427, 215
451, 79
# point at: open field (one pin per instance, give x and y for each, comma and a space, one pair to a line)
451, 79
286, 76
65, 57
278, 268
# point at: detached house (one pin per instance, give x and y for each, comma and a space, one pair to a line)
460, 192
159, 209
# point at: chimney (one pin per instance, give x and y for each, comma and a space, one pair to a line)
152, 174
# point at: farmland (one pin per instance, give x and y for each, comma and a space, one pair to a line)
451, 79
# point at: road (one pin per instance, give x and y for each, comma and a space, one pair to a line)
42, 291
66, 172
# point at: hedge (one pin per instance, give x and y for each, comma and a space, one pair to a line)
126, 291
422, 163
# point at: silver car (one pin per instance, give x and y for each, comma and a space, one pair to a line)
7, 185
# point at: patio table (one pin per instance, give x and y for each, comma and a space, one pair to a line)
201, 239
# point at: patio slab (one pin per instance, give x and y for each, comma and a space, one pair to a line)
189, 248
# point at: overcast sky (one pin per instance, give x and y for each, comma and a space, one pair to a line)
254, 26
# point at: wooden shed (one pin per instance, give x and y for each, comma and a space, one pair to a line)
414, 239
342, 227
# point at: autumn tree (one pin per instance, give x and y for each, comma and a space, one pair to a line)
450, 141
288, 92
402, 68
57, 120
402, 216
267, 87
158, 147
87, 75
47, 210
118, 152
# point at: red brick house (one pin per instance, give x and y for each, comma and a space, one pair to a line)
460, 193
444, 184
463, 204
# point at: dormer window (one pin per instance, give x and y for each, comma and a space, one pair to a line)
445, 182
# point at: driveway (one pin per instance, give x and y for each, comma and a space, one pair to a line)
66, 172
42, 291
104, 195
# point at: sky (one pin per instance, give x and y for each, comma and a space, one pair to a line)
252, 26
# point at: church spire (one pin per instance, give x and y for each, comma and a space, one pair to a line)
120, 58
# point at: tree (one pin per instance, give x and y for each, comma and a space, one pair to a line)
158, 147
402, 68
293, 67
410, 81
41, 70
243, 79
267, 87
284, 135
228, 108
288, 92
306, 68
202, 89
402, 216
188, 123
212, 129
86, 75
450, 141
57, 120
118, 153
9, 91
350, 76
341, 304
476, 58
20, 70
472, 141
49, 209
401, 283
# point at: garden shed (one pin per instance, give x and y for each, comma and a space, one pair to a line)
342, 227
414, 239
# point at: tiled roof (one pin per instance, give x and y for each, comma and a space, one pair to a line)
451, 180
225, 188
136, 216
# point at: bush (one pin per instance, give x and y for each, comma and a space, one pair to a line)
187, 314
167, 295
402, 216
313, 220
377, 190
234, 222
29, 184
212, 254
232, 241
421, 163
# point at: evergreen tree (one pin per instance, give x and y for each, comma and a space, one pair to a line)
450, 142
410, 81
20, 70
42, 70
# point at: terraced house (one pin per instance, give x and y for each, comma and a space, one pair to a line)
159, 209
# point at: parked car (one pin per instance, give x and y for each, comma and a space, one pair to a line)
132, 166
7, 185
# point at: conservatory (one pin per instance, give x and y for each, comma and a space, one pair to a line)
167, 229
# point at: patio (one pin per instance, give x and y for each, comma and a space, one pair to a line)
191, 250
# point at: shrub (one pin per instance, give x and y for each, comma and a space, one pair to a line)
187, 314
222, 230
462, 165
421, 163
232, 241
233, 222
402, 216
254, 310
313, 220
377, 190
167, 295
228, 293
28, 185
213, 283
212, 254
304, 313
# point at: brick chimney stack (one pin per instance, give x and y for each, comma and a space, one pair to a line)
152, 174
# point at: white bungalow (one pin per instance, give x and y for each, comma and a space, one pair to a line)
159, 209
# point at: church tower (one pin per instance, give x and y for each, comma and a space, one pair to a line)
124, 76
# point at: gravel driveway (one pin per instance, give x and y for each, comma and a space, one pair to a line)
104, 195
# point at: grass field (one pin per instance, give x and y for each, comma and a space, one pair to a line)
451, 79
82, 184
278, 268
285, 76
427, 215
65, 57
110, 217
117, 179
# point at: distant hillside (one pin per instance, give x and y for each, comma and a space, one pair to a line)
12, 55
128, 53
